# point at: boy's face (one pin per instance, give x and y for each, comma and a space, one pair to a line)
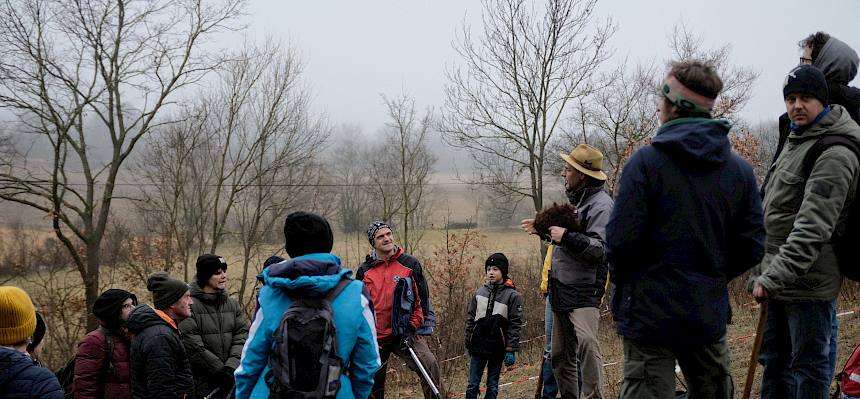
494, 275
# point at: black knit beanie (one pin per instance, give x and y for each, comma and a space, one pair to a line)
374, 227
500, 261
39, 334
307, 233
165, 290
109, 305
806, 79
272, 260
207, 266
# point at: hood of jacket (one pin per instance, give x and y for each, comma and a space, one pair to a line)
12, 364
143, 317
318, 273
208, 297
837, 61
701, 141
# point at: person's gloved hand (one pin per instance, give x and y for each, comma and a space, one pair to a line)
409, 337
227, 378
510, 358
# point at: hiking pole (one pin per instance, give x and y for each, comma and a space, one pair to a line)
759, 334
423, 371
212, 394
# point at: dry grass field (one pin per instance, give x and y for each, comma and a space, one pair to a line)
453, 262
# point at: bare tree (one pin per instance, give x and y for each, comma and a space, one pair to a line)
348, 160
284, 137
528, 65
401, 169
738, 80
623, 114
173, 168
74, 71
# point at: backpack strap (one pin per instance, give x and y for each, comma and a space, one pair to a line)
107, 367
337, 289
822, 144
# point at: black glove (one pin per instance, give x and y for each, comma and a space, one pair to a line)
408, 338
226, 376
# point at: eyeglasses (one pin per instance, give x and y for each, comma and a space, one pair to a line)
805, 61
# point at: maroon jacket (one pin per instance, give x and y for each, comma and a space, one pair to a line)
93, 380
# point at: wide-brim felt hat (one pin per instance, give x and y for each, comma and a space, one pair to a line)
586, 159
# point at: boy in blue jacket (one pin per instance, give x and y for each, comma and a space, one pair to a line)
312, 268
493, 327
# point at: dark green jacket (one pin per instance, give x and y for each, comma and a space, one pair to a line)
801, 213
213, 336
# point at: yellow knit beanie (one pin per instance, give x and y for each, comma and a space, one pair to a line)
17, 316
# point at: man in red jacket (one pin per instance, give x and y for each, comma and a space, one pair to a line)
396, 281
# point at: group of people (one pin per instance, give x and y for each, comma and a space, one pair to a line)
688, 218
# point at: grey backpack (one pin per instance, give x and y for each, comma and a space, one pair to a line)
304, 363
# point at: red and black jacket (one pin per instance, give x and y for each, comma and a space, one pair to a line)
381, 278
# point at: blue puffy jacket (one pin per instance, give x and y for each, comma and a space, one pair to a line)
21, 378
687, 219
353, 319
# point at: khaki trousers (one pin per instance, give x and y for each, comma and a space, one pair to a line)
575, 349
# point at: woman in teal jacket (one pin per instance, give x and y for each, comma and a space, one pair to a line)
319, 272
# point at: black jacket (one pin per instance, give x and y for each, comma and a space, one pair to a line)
494, 320
20, 378
687, 220
159, 366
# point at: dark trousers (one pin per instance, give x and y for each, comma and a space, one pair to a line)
493, 364
795, 350
649, 370
389, 345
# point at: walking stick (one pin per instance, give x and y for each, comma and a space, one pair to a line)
539, 390
759, 333
423, 371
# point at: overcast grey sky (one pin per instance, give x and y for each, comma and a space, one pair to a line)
356, 50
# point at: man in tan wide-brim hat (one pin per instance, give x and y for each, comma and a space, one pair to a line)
577, 276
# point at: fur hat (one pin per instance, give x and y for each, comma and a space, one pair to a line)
564, 215
806, 79
307, 233
19, 316
165, 290
500, 261
207, 266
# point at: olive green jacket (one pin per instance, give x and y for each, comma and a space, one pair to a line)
801, 213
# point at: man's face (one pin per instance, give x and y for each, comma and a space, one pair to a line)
802, 108
666, 111
383, 240
806, 56
182, 307
218, 280
573, 179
